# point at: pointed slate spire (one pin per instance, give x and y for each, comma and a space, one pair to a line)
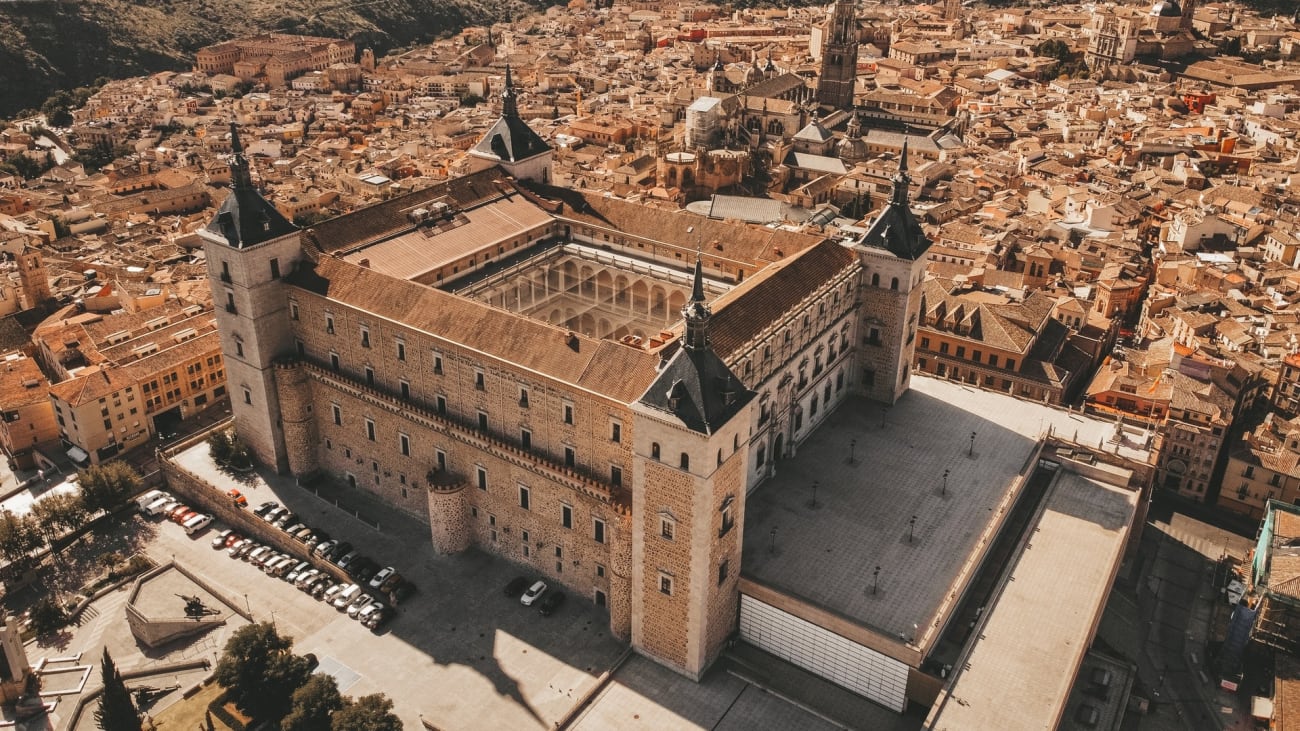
901, 179
509, 104
696, 312
240, 176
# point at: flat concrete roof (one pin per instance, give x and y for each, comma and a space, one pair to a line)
159, 597
1020, 670
826, 555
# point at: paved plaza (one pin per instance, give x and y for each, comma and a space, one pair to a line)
877, 467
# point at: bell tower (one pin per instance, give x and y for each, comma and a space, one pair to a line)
839, 72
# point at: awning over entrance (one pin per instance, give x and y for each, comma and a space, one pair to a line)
78, 455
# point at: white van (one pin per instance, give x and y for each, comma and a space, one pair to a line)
157, 506
347, 596
149, 497
197, 523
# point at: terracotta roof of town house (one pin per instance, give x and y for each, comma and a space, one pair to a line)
88, 387
604, 367
21, 384
1286, 698
752, 306
12, 335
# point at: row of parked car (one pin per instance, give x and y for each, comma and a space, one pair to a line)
157, 502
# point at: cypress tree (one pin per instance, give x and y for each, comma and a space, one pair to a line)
116, 711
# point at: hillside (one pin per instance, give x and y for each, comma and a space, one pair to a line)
46, 46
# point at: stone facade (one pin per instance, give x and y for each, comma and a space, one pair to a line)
891, 302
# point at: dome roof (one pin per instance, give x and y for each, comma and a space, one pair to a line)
852, 148
1166, 9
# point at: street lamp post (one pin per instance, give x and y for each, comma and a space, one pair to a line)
971, 452
853, 450
248, 606
911, 525
772, 549
875, 580
813, 503
944, 491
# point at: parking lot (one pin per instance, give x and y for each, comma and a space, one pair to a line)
458, 654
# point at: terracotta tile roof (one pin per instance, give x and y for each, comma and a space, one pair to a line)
603, 367
746, 310
21, 384
92, 386
1286, 698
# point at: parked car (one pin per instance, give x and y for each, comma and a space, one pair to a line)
238, 498
265, 508
346, 560
301, 534
241, 547
149, 497
177, 511
342, 548
292, 574
332, 592
274, 514
361, 602
379, 618
378, 580
319, 586
285, 519
292, 528
221, 537
346, 596
255, 553
324, 547
159, 505
363, 569
516, 587
534, 592
196, 523
364, 615
551, 603
311, 542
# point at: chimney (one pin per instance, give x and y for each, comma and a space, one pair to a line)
365, 263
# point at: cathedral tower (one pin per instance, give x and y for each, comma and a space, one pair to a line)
839, 52
893, 253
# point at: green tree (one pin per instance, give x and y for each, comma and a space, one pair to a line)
313, 703
47, 616
368, 713
108, 485
56, 514
258, 667
19, 536
219, 445
116, 712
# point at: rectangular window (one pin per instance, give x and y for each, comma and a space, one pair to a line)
559, 552
616, 432
275, 269
568, 413
1011, 364
570, 457
404, 442
665, 584
925, 342
600, 571
527, 551
598, 530
961, 351
667, 528
943, 347
441, 404
437, 364
525, 439
401, 350
523, 536
482, 421
566, 516
406, 389
993, 359
338, 414
334, 361
293, 310
523, 497
481, 476
976, 355
248, 396
616, 476
365, 337
370, 430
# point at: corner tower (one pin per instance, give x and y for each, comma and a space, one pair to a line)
839, 72
893, 252
689, 468
512, 144
249, 245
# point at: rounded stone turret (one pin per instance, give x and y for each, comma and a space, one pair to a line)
300, 436
448, 515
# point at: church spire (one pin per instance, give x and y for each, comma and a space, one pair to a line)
901, 180
509, 104
696, 312
240, 177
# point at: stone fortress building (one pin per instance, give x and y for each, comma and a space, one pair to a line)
582, 385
